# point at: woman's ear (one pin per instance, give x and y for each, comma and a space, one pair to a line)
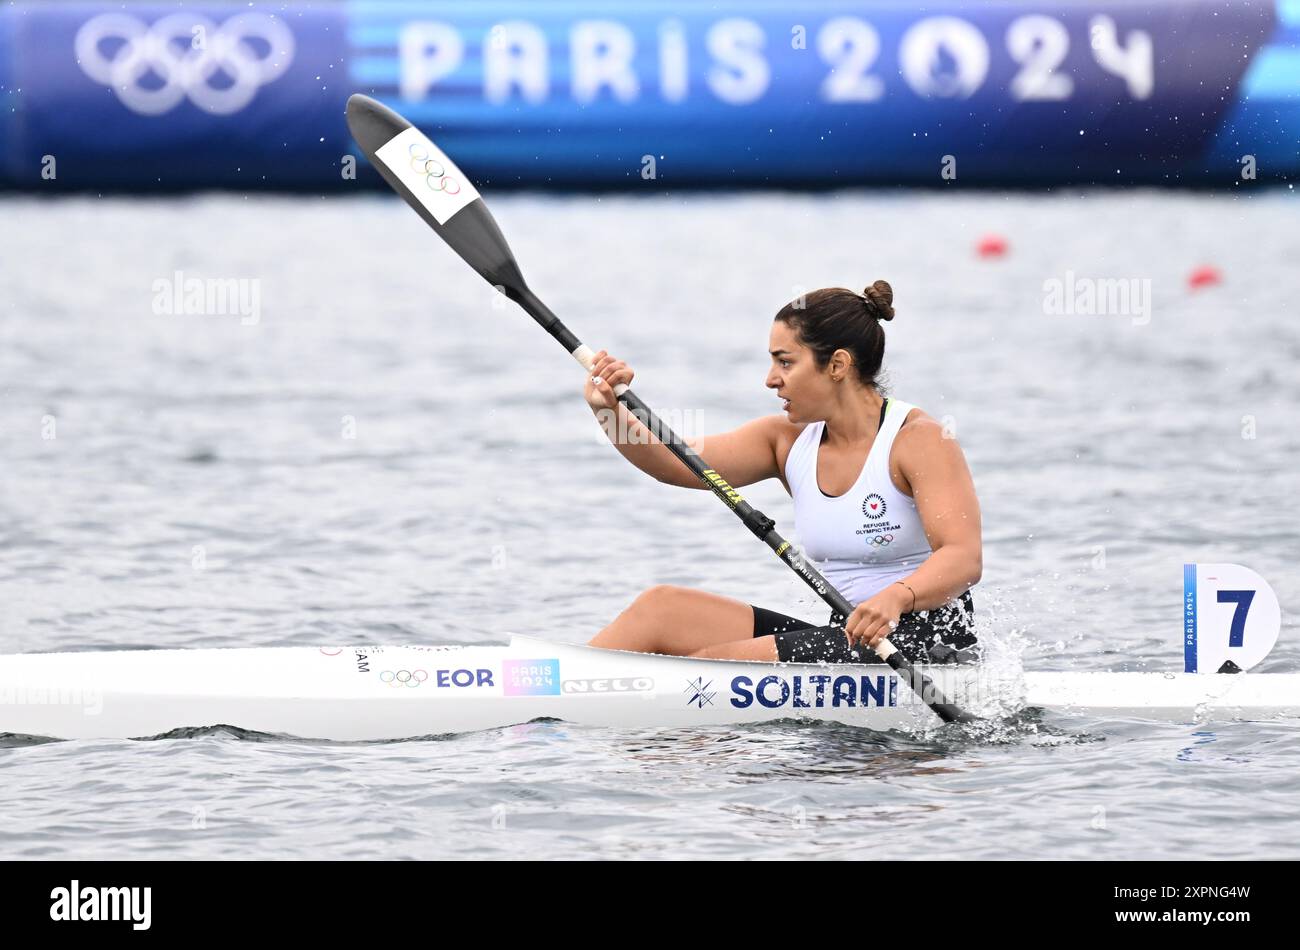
841, 363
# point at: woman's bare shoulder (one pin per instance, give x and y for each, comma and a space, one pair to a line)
920, 426
917, 419
784, 435
921, 438
784, 432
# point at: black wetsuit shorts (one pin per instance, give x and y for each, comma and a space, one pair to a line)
798, 641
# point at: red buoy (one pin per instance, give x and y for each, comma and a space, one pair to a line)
991, 245
1207, 275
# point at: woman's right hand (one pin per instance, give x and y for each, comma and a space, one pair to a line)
610, 372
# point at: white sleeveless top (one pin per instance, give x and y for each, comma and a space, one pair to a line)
870, 536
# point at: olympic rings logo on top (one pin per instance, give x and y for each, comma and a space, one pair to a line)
435, 176
120, 51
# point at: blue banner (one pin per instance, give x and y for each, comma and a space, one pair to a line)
248, 95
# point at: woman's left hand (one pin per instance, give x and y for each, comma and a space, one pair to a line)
877, 617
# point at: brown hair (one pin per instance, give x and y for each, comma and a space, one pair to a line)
836, 318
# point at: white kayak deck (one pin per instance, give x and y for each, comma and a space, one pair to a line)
377, 693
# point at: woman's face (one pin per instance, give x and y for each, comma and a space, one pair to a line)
805, 388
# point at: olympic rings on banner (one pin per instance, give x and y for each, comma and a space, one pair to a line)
183, 52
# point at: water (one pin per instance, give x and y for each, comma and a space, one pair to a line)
204, 489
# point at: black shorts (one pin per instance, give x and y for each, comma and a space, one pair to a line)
798, 641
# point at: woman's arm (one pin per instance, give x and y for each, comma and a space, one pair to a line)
743, 456
944, 492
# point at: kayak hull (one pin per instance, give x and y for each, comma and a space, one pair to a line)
389, 693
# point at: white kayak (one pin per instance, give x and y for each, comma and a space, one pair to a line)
377, 693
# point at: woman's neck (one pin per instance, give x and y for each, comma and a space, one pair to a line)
856, 418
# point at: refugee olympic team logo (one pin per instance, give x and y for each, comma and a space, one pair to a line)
873, 506
435, 176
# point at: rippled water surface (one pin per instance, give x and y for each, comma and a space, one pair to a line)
390, 453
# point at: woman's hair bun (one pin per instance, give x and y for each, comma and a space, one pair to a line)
880, 300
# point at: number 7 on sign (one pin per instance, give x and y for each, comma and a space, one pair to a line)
1242, 599
1222, 604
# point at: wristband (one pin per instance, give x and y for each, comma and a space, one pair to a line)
912, 592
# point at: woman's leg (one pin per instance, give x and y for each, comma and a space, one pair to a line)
755, 648
678, 621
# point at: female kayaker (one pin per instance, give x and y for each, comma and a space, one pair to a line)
884, 502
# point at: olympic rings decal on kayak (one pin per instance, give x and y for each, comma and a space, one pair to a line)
411, 678
184, 51
435, 176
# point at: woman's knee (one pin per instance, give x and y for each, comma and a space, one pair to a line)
640, 625
677, 620
661, 595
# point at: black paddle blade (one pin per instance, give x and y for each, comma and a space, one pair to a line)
439, 192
